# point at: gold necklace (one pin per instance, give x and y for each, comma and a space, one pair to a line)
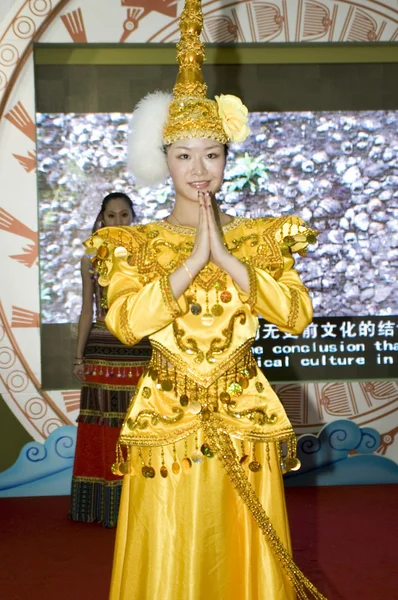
175, 218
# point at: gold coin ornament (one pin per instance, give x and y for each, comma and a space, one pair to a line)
207, 319
243, 382
167, 385
102, 251
259, 386
252, 372
175, 467
195, 309
197, 457
205, 414
194, 407
206, 451
255, 466
146, 392
124, 468
292, 464
164, 472
148, 472
235, 389
225, 397
217, 310
226, 297
116, 470
120, 252
186, 464
184, 400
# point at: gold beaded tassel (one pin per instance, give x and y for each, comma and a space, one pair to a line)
225, 449
175, 467
217, 310
254, 465
184, 399
194, 306
120, 467
163, 469
292, 463
186, 461
245, 457
147, 470
207, 318
197, 456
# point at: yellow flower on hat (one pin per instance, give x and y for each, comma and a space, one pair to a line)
234, 116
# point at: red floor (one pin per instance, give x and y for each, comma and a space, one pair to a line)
344, 539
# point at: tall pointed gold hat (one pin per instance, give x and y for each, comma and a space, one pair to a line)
160, 119
191, 113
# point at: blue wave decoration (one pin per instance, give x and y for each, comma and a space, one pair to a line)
342, 454
42, 469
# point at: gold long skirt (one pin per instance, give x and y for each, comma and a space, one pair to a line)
191, 537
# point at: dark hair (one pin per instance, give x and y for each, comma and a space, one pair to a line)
104, 204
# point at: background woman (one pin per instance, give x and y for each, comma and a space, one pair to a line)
109, 371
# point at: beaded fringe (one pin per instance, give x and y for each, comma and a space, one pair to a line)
225, 450
219, 443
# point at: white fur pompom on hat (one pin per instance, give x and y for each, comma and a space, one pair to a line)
146, 158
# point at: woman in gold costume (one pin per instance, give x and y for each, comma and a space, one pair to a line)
205, 440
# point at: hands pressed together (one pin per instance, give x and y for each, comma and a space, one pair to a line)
209, 245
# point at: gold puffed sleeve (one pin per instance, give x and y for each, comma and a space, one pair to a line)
276, 290
140, 302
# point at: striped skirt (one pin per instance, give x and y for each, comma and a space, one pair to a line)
112, 371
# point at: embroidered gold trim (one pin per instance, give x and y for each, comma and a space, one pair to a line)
161, 438
237, 243
107, 482
294, 308
204, 380
168, 297
184, 230
252, 299
128, 291
265, 436
130, 338
109, 386
99, 413
115, 363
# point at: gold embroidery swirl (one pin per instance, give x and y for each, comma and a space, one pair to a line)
190, 346
143, 418
237, 243
217, 345
257, 415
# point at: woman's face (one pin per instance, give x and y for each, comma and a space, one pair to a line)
196, 165
116, 213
